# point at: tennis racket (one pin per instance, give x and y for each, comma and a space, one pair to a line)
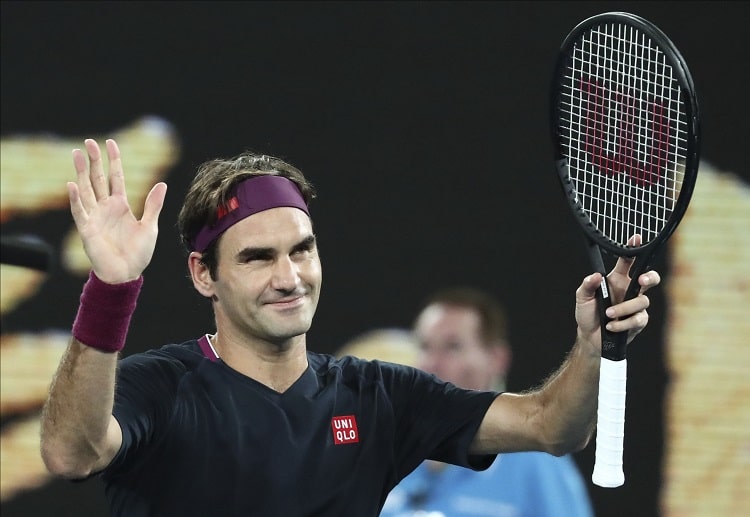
625, 126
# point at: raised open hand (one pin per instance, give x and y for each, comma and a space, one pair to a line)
118, 245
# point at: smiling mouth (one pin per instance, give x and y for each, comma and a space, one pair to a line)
288, 303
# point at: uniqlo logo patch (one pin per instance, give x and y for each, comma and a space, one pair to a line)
344, 429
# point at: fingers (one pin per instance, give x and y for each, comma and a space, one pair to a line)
649, 280
93, 185
76, 207
154, 204
96, 170
628, 308
84, 191
116, 174
632, 315
587, 290
622, 267
633, 323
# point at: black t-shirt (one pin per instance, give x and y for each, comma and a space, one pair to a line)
199, 438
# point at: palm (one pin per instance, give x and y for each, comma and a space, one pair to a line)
118, 245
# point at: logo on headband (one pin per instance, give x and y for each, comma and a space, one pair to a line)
232, 204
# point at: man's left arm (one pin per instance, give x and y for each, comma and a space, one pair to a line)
560, 417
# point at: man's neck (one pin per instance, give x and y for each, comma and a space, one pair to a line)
277, 367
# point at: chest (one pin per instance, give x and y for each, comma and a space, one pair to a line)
247, 435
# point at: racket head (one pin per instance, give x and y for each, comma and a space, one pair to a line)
625, 126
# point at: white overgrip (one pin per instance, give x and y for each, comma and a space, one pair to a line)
610, 425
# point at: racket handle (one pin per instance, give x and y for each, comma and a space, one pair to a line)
610, 425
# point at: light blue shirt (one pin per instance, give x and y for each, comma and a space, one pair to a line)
522, 484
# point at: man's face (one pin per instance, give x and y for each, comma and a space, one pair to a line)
268, 276
452, 349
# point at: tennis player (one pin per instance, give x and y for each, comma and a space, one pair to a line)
245, 420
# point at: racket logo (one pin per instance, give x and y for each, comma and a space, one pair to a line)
624, 134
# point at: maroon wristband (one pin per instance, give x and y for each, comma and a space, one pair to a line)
104, 313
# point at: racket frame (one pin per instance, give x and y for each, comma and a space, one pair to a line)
692, 115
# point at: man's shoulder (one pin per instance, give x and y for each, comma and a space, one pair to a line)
188, 354
348, 366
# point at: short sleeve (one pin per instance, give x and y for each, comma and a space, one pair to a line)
435, 419
144, 399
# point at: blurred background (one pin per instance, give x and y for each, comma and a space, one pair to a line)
424, 127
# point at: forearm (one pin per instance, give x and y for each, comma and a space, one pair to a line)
568, 401
77, 414
559, 417
79, 434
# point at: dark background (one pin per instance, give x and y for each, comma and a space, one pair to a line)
424, 128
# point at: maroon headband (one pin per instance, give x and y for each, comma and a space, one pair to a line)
251, 196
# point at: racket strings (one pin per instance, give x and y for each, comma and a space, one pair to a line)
625, 129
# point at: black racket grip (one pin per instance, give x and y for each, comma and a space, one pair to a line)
614, 344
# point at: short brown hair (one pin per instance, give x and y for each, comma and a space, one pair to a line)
212, 188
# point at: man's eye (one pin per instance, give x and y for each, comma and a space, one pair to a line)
255, 258
303, 252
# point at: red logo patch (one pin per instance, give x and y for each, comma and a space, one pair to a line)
233, 204
344, 429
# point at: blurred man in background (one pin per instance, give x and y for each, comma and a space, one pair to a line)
461, 336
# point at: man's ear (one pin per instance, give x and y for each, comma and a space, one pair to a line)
200, 274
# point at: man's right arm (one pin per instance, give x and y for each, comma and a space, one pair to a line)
79, 434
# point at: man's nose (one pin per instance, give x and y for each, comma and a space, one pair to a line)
285, 276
